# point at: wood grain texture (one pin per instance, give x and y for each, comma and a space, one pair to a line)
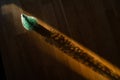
94, 23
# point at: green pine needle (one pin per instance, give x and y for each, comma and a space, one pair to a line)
28, 22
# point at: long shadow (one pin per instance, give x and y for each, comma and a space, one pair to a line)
30, 6
69, 73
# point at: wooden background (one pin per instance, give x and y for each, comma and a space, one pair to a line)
94, 23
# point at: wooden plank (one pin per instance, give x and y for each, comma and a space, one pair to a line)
85, 21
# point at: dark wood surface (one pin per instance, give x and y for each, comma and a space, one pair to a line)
94, 23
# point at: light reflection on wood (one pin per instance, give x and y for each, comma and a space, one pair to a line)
67, 60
